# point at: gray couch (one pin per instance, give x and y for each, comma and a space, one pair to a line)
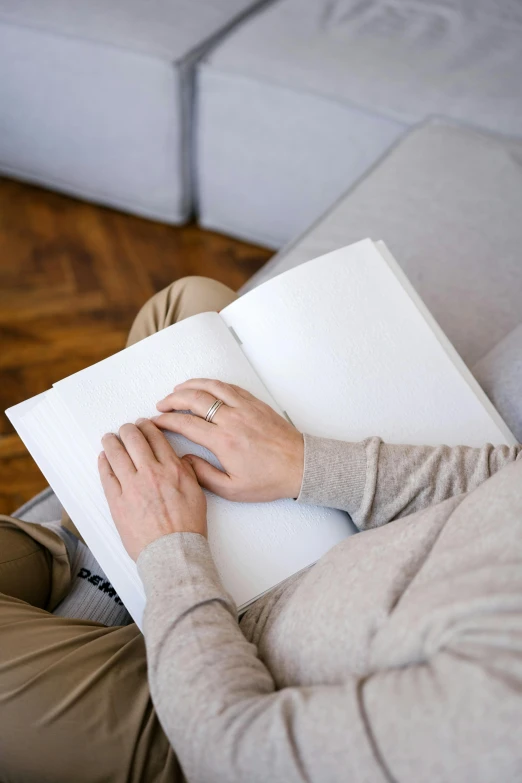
258, 114
265, 114
449, 204
299, 101
96, 96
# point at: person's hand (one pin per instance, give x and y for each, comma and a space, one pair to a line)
150, 491
261, 453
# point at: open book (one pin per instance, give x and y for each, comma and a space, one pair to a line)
342, 346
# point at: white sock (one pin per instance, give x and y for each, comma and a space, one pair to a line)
91, 597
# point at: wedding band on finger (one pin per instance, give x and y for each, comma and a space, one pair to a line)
213, 410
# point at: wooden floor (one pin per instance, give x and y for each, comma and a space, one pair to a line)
72, 277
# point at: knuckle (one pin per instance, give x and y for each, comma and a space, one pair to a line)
186, 421
175, 472
229, 439
184, 466
236, 417
147, 470
166, 421
154, 478
184, 470
127, 430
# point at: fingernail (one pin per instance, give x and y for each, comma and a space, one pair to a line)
102, 455
155, 418
138, 421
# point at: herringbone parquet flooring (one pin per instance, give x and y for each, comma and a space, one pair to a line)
72, 278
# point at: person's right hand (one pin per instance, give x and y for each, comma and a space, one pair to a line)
151, 492
261, 453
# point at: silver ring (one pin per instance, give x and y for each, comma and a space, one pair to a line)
213, 410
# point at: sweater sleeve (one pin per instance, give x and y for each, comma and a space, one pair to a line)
216, 700
220, 709
376, 482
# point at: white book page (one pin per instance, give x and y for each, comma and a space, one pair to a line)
349, 352
128, 385
255, 546
59, 449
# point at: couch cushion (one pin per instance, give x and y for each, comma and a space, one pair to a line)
169, 29
500, 375
461, 59
448, 204
96, 97
270, 159
44, 507
302, 98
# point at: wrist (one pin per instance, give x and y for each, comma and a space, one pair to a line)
296, 468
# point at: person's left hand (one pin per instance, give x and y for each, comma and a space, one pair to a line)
261, 453
150, 491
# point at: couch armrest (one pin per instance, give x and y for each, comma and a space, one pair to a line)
499, 373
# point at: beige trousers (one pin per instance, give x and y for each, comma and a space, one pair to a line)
74, 698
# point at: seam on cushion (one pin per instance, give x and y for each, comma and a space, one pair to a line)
186, 64
494, 349
185, 96
132, 46
203, 49
391, 115
408, 121
54, 33
187, 103
87, 194
205, 64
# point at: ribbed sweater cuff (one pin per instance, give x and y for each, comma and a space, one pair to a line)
178, 573
334, 474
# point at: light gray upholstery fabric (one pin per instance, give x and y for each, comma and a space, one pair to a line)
93, 121
96, 97
461, 59
270, 159
168, 29
448, 203
44, 507
500, 375
317, 90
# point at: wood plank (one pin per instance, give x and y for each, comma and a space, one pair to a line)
72, 277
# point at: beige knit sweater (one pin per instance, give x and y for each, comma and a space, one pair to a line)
397, 657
